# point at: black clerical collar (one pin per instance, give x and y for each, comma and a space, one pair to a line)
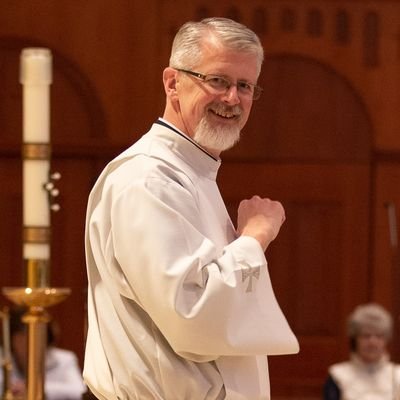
169, 126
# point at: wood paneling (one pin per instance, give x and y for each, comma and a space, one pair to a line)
323, 139
318, 273
385, 274
11, 218
308, 111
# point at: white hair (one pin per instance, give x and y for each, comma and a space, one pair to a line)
370, 316
187, 46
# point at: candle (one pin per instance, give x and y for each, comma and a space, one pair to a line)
36, 77
6, 335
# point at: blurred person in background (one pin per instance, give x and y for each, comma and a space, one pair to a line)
368, 374
63, 376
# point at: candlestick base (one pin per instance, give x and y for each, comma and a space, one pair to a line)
36, 299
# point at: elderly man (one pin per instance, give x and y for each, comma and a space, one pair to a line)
180, 302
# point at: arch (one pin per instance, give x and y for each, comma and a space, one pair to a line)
77, 114
308, 112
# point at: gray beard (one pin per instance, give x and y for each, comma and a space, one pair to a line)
216, 138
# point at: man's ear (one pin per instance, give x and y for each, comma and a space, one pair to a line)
170, 81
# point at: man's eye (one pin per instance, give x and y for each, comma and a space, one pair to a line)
217, 82
244, 87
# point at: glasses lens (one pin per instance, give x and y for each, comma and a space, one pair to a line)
217, 82
220, 84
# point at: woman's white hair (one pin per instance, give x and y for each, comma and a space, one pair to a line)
187, 46
371, 317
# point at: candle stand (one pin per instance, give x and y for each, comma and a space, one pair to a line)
36, 299
38, 200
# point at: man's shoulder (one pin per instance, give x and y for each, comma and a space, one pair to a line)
150, 159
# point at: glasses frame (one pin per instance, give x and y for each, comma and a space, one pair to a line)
257, 90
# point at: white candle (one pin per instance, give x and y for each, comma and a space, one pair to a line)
6, 335
36, 77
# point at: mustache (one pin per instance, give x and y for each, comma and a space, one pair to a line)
226, 109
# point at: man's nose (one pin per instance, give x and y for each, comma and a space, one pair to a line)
231, 96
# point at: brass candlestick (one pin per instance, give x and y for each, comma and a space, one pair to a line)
38, 199
36, 298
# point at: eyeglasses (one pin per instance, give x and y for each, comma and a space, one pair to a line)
221, 85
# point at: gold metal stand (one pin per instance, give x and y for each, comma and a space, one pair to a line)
37, 295
7, 394
36, 299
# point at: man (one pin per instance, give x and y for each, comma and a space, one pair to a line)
368, 374
180, 303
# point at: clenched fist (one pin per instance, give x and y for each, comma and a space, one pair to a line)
261, 219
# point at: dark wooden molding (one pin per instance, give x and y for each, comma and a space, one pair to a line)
383, 156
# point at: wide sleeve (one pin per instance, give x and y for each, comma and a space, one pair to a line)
206, 302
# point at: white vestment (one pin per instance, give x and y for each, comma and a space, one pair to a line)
357, 380
178, 306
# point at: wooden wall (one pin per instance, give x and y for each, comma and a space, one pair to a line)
324, 139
